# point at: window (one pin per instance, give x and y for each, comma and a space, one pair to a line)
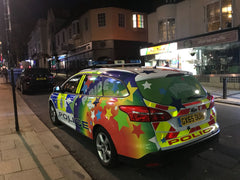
63, 37
86, 24
121, 20
74, 28
166, 30
70, 33
101, 20
78, 28
114, 87
138, 21
92, 85
71, 85
219, 17
58, 40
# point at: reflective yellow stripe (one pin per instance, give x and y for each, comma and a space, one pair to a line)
80, 84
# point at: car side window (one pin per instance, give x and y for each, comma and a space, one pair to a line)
114, 87
71, 85
92, 85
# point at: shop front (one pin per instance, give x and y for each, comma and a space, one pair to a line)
212, 53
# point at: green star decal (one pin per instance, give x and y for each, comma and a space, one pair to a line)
121, 119
103, 103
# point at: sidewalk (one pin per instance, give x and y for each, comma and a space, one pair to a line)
33, 152
233, 96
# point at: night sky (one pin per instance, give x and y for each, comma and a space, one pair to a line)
25, 13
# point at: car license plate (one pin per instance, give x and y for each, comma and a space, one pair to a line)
41, 78
192, 118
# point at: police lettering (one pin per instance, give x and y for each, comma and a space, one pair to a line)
190, 136
65, 117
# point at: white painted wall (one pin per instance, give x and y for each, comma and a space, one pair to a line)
190, 18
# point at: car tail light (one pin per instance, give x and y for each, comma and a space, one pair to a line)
145, 114
211, 99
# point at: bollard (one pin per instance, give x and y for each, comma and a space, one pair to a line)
14, 101
224, 88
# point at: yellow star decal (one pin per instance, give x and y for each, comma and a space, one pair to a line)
132, 90
108, 114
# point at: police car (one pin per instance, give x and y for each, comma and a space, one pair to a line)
135, 112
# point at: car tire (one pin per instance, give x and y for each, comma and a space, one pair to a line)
105, 148
53, 114
22, 89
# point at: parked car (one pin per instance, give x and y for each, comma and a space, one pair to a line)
35, 79
135, 112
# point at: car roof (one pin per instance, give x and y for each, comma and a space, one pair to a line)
141, 73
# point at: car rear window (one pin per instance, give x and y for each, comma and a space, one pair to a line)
166, 90
37, 71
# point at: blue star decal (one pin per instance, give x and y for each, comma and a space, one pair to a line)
163, 140
99, 115
96, 101
177, 103
163, 91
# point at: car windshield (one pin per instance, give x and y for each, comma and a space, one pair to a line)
165, 90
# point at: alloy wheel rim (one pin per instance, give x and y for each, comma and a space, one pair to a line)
103, 147
52, 113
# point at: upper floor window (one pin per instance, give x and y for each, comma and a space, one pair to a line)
74, 28
121, 20
78, 27
219, 15
63, 37
58, 40
70, 33
138, 21
101, 20
86, 24
166, 29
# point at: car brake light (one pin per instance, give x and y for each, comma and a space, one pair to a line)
211, 99
145, 114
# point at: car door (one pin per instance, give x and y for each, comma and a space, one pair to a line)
66, 100
86, 103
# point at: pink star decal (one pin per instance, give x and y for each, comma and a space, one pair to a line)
137, 130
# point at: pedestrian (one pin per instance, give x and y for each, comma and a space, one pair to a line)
5, 73
167, 64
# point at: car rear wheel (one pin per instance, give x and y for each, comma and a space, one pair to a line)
53, 114
22, 88
105, 148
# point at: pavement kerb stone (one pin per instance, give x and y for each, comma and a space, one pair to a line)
33, 134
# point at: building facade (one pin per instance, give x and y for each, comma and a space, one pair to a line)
199, 36
103, 34
37, 45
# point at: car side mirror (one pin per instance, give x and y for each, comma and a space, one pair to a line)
57, 89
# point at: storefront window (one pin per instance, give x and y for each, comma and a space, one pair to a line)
166, 30
219, 15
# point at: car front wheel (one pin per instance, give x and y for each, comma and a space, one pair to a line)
105, 148
53, 114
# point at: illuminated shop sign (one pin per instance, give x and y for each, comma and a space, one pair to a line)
166, 48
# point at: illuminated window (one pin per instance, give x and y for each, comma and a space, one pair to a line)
219, 17
138, 21
166, 29
101, 20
